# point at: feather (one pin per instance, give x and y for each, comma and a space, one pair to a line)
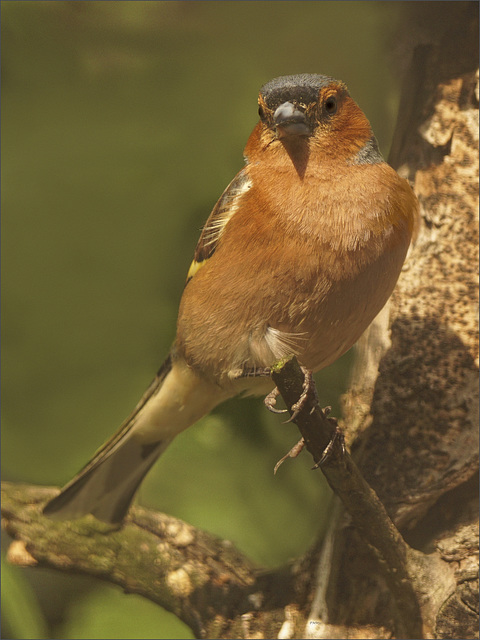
223, 211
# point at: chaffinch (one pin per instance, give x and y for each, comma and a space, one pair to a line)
300, 253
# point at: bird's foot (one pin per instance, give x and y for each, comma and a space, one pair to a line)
309, 392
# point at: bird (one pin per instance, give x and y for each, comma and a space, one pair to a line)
299, 254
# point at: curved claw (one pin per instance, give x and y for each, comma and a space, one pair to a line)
271, 400
308, 387
293, 453
337, 437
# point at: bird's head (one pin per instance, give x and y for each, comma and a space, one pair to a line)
308, 114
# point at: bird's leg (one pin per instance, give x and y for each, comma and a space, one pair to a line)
293, 453
255, 372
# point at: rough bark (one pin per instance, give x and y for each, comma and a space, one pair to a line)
410, 420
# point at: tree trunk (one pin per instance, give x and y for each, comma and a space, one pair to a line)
412, 411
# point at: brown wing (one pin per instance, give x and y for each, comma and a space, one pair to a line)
222, 212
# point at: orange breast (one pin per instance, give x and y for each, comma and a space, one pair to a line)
318, 267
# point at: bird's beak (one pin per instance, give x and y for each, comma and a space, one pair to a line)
289, 120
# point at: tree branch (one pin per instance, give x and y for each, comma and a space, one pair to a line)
200, 578
400, 563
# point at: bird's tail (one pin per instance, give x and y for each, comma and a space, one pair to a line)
105, 487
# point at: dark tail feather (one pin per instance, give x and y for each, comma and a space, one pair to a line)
107, 490
105, 487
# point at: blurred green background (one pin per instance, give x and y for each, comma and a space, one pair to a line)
122, 122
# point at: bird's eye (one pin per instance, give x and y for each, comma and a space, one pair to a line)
331, 105
261, 112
